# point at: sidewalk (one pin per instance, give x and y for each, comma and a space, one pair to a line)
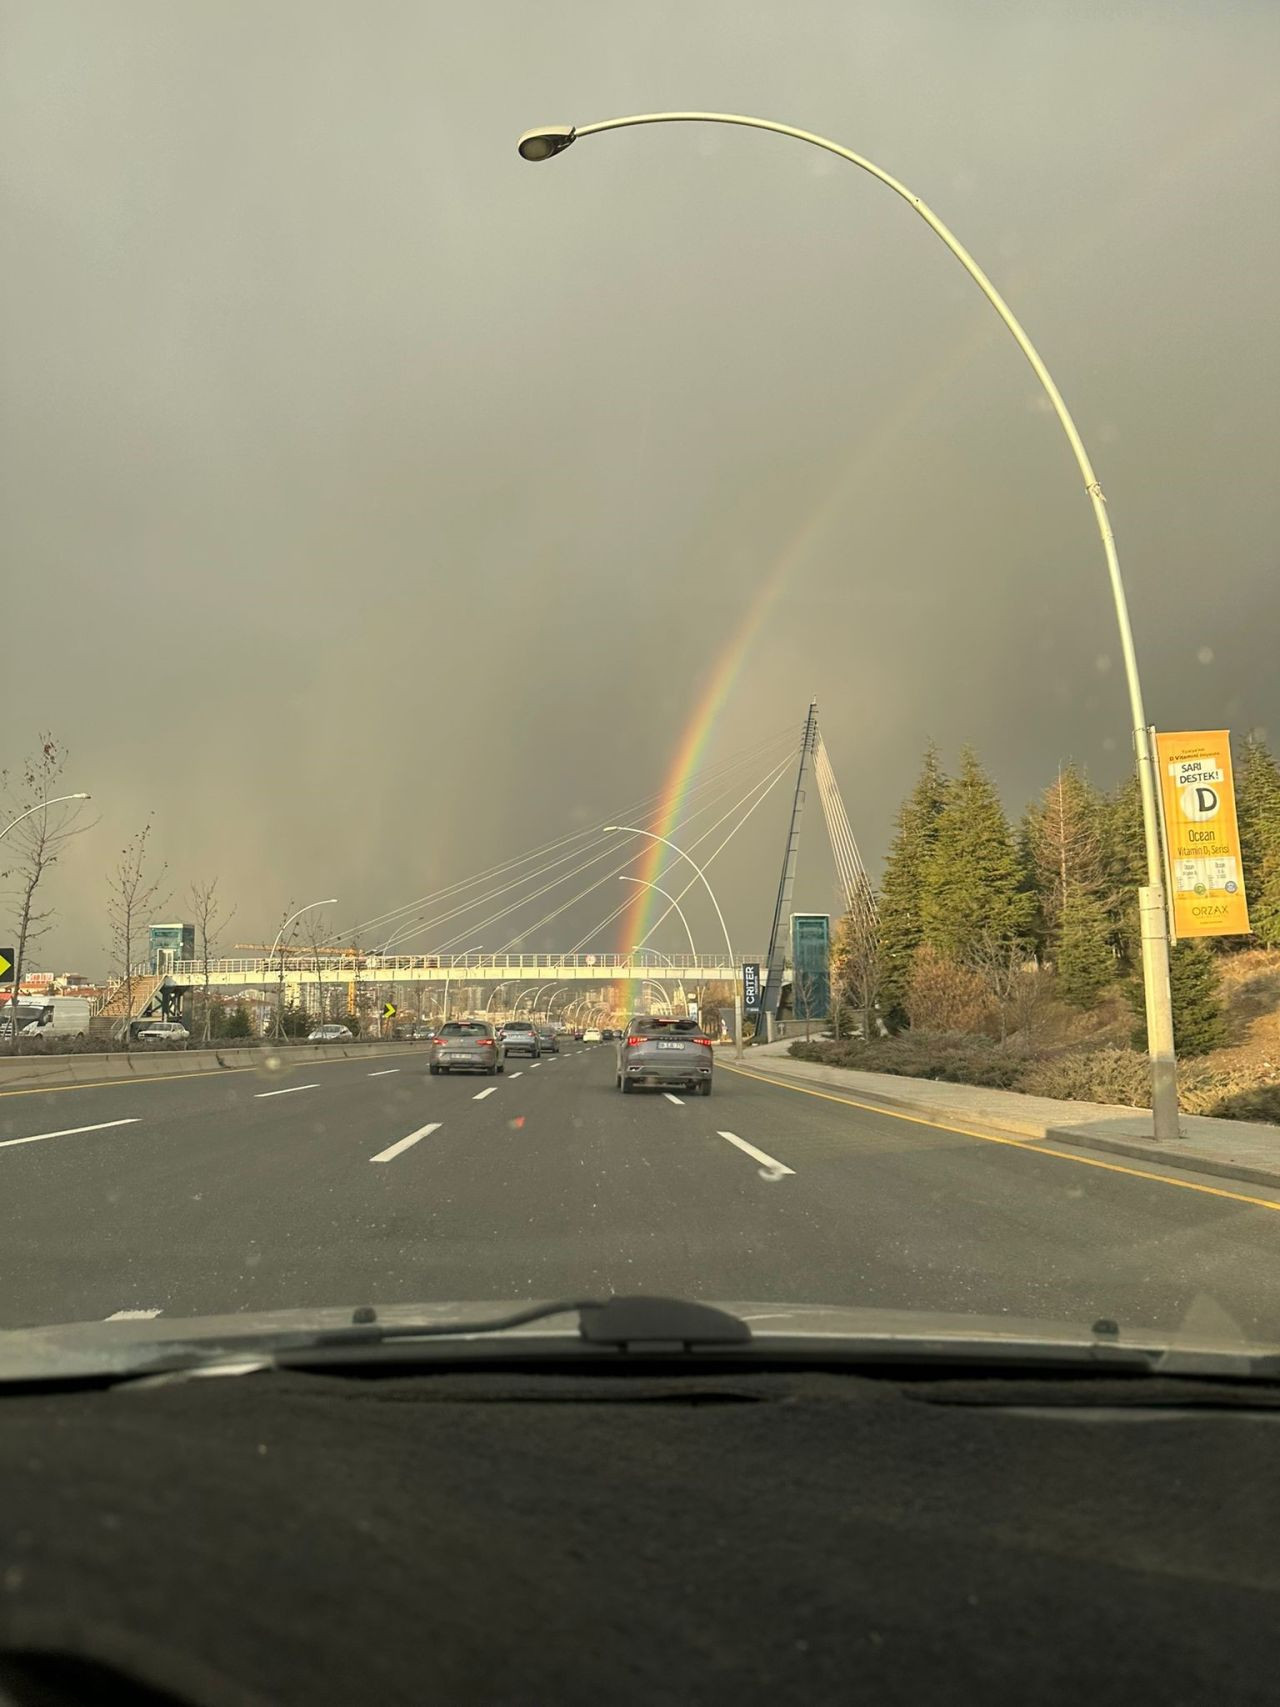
1232, 1149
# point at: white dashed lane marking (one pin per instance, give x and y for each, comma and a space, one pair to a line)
288, 1090
393, 1150
770, 1167
68, 1132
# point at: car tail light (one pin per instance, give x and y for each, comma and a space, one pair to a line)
437, 1040
485, 1042
704, 1041
634, 1042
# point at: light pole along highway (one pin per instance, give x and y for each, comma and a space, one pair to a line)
331, 902
549, 140
693, 952
632, 830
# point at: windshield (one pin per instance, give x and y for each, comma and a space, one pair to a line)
795, 586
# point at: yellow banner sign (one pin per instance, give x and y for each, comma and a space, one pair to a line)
1201, 836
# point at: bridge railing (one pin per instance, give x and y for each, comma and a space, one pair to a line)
461, 965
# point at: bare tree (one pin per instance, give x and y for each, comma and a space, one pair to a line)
132, 892
1003, 964
318, 941
857, 965
34, 845
206, 909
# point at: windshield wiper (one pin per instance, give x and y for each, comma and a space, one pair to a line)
640, 1323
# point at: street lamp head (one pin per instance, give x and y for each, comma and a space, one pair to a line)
546, 141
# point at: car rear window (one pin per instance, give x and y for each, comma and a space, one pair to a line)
517, 1025
460, 1028
654, 1022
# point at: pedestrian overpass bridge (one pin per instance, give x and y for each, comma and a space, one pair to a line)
300, 971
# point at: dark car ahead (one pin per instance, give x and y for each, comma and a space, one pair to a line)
664, 1052
468, 1045
548, 1042
520, 1037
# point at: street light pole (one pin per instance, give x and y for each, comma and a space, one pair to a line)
448, 974
666, 841
679, 909
42, 806
331, 902
550, 140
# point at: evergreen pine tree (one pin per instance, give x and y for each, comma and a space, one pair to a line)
1124, 857
1083, 955
1258, 806
973, 889
902, 888
1199, 1018
239, 1023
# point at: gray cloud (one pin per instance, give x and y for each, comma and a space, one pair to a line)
373, 502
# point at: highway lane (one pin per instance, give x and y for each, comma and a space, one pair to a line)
371, 1182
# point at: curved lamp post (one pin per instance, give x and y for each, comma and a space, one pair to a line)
550, 140
631, 829
331, 902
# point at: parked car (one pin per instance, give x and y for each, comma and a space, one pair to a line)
591, 1034
162, 1031
520, 1037
577, 1034
329, 1034
467, 1045
664, 1052
548, 1042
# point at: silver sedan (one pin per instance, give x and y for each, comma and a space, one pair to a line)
467, 1045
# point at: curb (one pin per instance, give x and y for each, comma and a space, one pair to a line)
1135, 1149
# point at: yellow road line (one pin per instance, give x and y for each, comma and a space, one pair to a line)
168, 1078
1034, 1146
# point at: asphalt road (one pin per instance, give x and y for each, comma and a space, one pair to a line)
370, 1182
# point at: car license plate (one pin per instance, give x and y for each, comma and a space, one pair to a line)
455, 1055
671, 1046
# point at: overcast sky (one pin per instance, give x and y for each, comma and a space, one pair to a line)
375, 505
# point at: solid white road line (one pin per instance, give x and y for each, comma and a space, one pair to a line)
383, 1071
286, 1092
481, 1095
770, 1169
131, 1316
69, 1131
394, 1150
679, 1101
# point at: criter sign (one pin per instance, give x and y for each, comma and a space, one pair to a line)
1206, 882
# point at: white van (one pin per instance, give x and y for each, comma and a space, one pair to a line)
61, 1016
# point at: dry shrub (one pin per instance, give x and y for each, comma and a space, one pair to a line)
943, 996
956, 1057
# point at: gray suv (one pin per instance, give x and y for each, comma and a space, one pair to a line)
663, 1053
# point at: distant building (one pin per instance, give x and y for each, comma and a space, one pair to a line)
167, 943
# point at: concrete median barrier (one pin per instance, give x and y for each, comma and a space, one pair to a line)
32, 1072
